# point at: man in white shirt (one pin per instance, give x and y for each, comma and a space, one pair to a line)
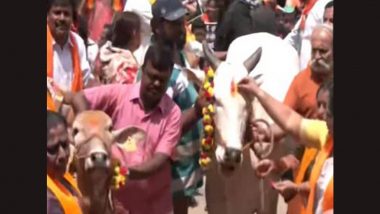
60, 15
300, 39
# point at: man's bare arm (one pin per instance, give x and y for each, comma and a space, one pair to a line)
286, 162
284, 116
192, 115
189, 118
148, 168
78, 101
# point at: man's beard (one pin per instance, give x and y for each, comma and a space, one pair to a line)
321, 66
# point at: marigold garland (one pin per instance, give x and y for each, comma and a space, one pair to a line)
207, 143
120, 174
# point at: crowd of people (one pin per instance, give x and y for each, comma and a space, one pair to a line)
128, 58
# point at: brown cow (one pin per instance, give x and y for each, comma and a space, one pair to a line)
93, 138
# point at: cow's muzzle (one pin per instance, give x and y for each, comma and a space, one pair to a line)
97, 160
232, 156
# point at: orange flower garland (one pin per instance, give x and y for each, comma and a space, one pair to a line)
207, 143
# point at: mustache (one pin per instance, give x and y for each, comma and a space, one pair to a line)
321, 63
61, 24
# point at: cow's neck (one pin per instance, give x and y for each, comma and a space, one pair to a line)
101, 204
100, 200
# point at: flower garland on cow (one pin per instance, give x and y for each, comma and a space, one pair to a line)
120, 175
207, 142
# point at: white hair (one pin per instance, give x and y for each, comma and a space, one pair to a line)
324, 27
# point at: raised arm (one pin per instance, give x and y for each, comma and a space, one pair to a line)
284, 116
164, 150
78, 101
104, 98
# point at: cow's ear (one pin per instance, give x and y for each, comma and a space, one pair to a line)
195, 76
121, 135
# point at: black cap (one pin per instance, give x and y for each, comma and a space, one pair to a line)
168, 9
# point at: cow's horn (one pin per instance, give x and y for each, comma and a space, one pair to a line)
252, 60
211, 58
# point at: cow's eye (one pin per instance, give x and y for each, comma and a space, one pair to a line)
75, 131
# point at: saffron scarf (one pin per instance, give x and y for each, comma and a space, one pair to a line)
308, 157
315, 173
117, 5
67, 201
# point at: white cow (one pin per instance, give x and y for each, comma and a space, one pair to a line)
231, 185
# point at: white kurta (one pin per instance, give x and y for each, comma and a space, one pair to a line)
322, 183
63, 72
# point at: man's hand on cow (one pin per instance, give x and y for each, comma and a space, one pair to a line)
265, 167
249, 86
259, 133
286, 188
68, 97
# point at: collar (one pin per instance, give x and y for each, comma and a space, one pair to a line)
135, 95
67, 43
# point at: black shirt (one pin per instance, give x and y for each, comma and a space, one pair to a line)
241, 20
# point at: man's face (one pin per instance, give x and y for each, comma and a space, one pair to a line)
154, 83
288, 21
322, 53
322, 99
57, 149
59, 19
328, 16
174, 31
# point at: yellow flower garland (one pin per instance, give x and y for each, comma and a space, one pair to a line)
119, 175
207, 143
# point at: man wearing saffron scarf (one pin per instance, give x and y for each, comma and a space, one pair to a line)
66, 60
62, 190
299, 37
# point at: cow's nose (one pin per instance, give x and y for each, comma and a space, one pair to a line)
99, 157
232, 155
